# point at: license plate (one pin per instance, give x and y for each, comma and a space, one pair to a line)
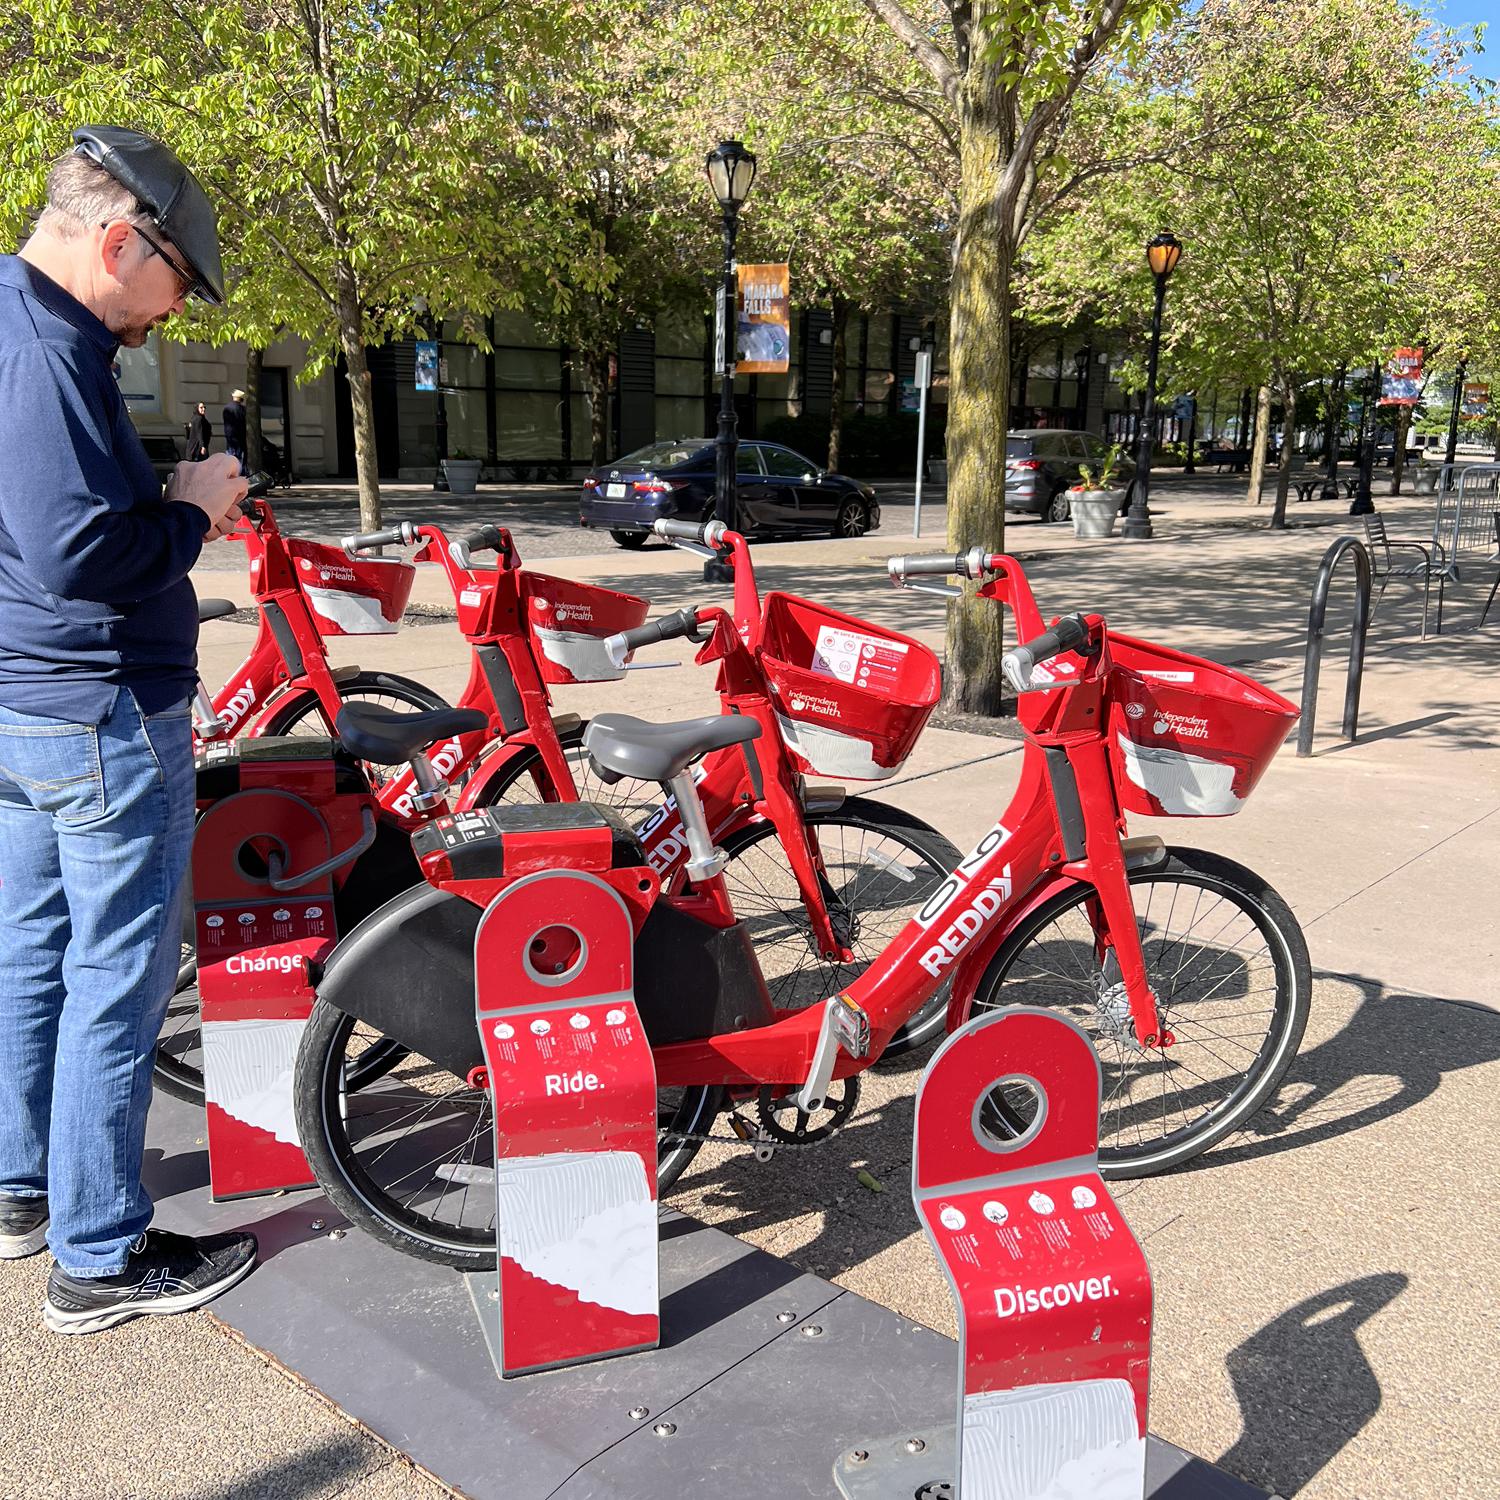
615, 491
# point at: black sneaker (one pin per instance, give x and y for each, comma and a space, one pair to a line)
23, 1226
166, 1273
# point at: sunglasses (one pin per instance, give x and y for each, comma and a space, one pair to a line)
188, 282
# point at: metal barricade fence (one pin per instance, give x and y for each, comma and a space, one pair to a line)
1465, 519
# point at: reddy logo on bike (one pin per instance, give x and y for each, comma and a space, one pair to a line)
446, 759
240, 703
979, 904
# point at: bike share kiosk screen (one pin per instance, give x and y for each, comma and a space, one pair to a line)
1052, 1290
570, 1072
279, 817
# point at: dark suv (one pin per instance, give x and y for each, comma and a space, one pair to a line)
780, 492
1042, 464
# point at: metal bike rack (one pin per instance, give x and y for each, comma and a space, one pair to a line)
1315, 616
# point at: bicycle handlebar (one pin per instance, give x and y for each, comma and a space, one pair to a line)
705, 533
1068, 634
489, 538
260, 484
390, 536
675, 626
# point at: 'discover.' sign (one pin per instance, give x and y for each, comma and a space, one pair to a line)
764, 320
1053, 1293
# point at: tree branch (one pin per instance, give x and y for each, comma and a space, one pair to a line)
920, 45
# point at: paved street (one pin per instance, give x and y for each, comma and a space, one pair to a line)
1325, 1282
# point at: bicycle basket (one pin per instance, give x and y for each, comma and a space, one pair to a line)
351, 595
1187, 737
569, 622
851, 698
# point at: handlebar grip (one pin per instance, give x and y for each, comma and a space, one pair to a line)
929, 564
681, 622
1068, 634
685, 531
260, 484
490, 538
390, 536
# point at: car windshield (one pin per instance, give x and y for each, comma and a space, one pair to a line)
661, 455
1017, 447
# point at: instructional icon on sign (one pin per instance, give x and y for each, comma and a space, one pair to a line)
540, 1027
579, 1022
505, 1031
995, 1211
950, 1218
1084, 1197
1040, 1203
614, 1017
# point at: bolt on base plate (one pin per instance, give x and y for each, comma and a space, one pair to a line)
920, 1461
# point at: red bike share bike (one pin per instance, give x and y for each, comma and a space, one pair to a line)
528, 632
1187, 970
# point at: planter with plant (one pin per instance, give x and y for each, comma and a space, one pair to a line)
462, 473
1094, 502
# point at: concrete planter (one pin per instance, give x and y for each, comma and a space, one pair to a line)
462, 475
1095, 511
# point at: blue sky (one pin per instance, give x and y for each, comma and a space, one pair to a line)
1467, 13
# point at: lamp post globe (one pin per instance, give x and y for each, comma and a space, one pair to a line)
1163, 251
731, 171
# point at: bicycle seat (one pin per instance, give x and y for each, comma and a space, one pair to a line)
215, 609
657, 752
387, 737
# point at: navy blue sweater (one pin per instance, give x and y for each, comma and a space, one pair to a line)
94, 592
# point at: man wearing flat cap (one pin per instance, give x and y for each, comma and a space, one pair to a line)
98, 661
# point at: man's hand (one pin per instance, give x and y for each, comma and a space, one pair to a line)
215, 486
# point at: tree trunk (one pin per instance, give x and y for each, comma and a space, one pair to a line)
1398, 452
254, 454
840, 359
596, 377
1258, 443
1284, 468
361, 399
978, 392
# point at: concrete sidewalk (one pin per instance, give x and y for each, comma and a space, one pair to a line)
1325, 1282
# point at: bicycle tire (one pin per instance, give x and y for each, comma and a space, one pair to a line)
1083, 992
178, 1066
329, 1117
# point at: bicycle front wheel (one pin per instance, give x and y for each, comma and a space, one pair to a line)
1228, 964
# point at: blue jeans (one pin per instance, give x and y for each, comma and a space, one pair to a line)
96, 829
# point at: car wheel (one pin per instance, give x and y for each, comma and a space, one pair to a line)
1059, 507
632, 540
850, 520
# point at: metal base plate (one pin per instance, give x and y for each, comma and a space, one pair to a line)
764, 1374
919, 1466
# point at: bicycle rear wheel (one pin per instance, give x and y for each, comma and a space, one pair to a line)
1228, 964
409, 1156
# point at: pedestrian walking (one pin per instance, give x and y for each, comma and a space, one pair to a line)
234, 427
98, 637
200, 435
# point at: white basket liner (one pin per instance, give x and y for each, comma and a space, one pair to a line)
583, 656
247, 1072
1074, 1441
1185, 785
831, 753
585, 1220
354, 614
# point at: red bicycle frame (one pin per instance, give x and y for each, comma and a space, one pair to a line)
287, 655
1063, 827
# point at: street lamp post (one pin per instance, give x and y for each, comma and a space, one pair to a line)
1363, 503
731, 170
1458, 399
1162, 254
439, 481
1081, 385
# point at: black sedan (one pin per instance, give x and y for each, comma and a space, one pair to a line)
780, 492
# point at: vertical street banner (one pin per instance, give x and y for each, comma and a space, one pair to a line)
764, 319
1401, 380
427, 364
1476, 402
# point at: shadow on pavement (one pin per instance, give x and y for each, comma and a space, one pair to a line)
320, 1470
1304, 1386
